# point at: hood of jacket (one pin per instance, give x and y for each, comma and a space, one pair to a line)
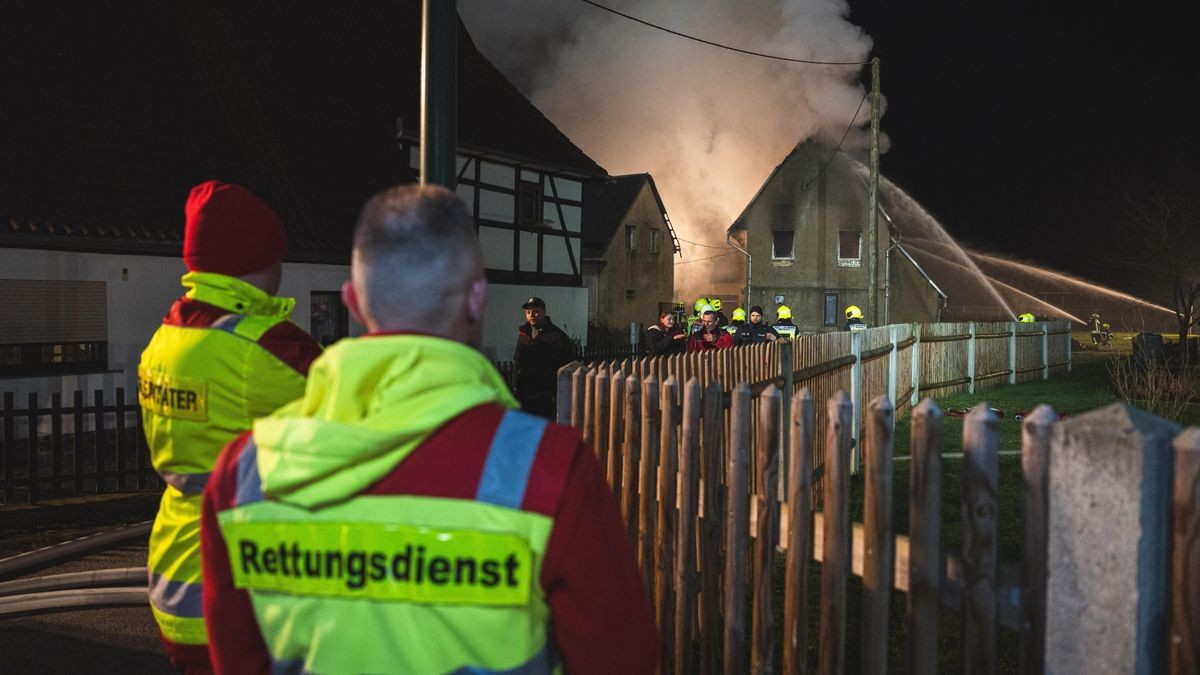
369, 402
234, 295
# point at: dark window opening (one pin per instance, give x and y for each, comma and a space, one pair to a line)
849, 245
328, 319
781, 244
629, 294
529, 203
655, 242
631, 238
831, 309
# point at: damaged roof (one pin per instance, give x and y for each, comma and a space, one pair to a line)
112, 111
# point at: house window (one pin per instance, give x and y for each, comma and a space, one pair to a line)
529, 203
849, 248
655, 244
631, 238
328, 319
781, 244
53, 327
629, 294
831, 309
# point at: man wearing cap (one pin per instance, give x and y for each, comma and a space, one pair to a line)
755, 332
226, 353
542, 348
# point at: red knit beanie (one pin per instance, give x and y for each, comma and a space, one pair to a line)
230, 231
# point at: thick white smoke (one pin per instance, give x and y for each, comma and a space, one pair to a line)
707, 123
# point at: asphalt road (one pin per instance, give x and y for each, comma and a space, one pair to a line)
114, 640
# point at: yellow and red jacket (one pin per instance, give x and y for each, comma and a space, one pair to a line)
226, 353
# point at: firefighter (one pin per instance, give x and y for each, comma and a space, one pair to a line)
739, 320
854, 318
783, 322
1097, 329
1026, 318
701, 306
403, 517
225, 353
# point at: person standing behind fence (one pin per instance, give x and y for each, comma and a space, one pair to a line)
226, 353
542, 348
854, 318
665, 337
783, 325
710, 336
755, 332
402, 517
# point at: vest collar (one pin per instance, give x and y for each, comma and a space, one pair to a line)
235, 295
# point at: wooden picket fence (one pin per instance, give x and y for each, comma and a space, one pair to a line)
697, 466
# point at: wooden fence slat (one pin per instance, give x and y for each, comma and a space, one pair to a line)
599, 408
1185, 555
799, 537
565, 386
122, 439
737, 532
10, 423
924, 538
664, 544
631, 455
981, 468
589, 409
56, 443
879, 545
616, 410
710, 527
648, 479
836, 565
762, 657
31, 443
685, 540
1035, 498
77, 419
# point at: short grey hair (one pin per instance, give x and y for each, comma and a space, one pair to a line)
415, 249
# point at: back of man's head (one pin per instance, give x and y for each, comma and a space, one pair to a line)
417, 263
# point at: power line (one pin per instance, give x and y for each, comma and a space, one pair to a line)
720, 255
696, 243
809, 183
717, 44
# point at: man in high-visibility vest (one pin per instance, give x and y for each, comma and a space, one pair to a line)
403, 516
224, 354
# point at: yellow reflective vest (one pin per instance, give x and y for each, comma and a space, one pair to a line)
203, 379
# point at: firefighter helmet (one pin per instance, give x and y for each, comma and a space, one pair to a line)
853, 312
739, 314
784, 312
715, 303
1026, 318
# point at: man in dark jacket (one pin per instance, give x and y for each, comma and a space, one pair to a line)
542, 348
755, 331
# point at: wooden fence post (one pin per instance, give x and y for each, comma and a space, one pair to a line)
1045, 350
893, 363
762, 656
664, 546
835, 566
1070, 351
981, 469
630, 456
800, 535
579, 398
648, 478
600, 417
56, 443
737, 532
916, 365
122, 438
31, 425
10, 423
1185, 555
1035, 498
971, 358
685, 540
1012, 353
710, 527
924, 538
878, 542
565, 388
616, 410
856, 387
77, 419
590, 406
787, 371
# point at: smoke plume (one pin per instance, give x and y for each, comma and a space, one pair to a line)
707, 123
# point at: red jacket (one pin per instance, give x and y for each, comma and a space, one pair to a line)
697, 343
600, 610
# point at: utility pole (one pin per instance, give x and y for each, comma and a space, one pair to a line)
873, 203
439, 92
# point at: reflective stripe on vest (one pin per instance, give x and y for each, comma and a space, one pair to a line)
176, 598
187, 483
509, 459
249, 482
228, 322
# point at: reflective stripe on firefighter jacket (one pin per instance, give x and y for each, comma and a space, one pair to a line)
785, 330
342, 581
198, 388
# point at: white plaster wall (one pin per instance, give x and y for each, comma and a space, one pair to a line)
140, 290
567, 307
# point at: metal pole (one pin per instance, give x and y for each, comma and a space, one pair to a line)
873, 202
439, 92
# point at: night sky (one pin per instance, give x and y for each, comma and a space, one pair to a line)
1025, 130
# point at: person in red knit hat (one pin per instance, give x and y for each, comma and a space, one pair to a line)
226, 353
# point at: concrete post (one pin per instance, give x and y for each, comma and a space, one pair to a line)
1107, 605
1045, 350
856, 384
1012, 353
971, 358
916, 365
